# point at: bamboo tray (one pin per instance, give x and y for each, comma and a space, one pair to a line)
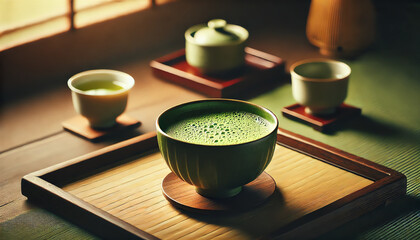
262, 71
116, 192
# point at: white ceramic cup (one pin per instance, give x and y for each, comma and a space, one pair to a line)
100, 95
320, 84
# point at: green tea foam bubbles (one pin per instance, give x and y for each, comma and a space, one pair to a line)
222, 128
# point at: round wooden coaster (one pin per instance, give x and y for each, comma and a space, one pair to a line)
184, 196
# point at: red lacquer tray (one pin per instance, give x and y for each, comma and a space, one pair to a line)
321, 123
262, 71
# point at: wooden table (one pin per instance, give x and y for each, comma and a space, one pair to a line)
388, 133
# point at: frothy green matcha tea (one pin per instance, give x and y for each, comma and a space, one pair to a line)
100, 87
222, 128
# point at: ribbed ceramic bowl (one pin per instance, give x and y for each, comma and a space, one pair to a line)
217, 171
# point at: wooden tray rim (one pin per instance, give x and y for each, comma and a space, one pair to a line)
46, 182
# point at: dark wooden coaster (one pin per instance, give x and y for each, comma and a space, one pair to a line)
184, 196
321, 123
80, 126
261, 72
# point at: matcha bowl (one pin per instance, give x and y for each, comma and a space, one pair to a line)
217, 145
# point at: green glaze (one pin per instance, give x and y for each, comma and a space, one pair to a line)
216, 170
216, 47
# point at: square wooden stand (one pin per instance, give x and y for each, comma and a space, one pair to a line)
321, 123
80, 126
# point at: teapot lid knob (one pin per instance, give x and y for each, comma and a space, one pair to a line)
217, 23
218, 32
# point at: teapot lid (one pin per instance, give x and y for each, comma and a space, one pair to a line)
216, 32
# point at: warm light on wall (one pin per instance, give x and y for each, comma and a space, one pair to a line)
23, 21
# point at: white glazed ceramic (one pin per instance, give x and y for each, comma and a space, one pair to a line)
101, 109
320, 84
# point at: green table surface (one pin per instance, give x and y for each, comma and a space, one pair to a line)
385, 83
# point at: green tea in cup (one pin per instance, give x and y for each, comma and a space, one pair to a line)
100, 95
100, 87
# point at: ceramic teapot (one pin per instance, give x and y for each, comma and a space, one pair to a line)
216, 47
